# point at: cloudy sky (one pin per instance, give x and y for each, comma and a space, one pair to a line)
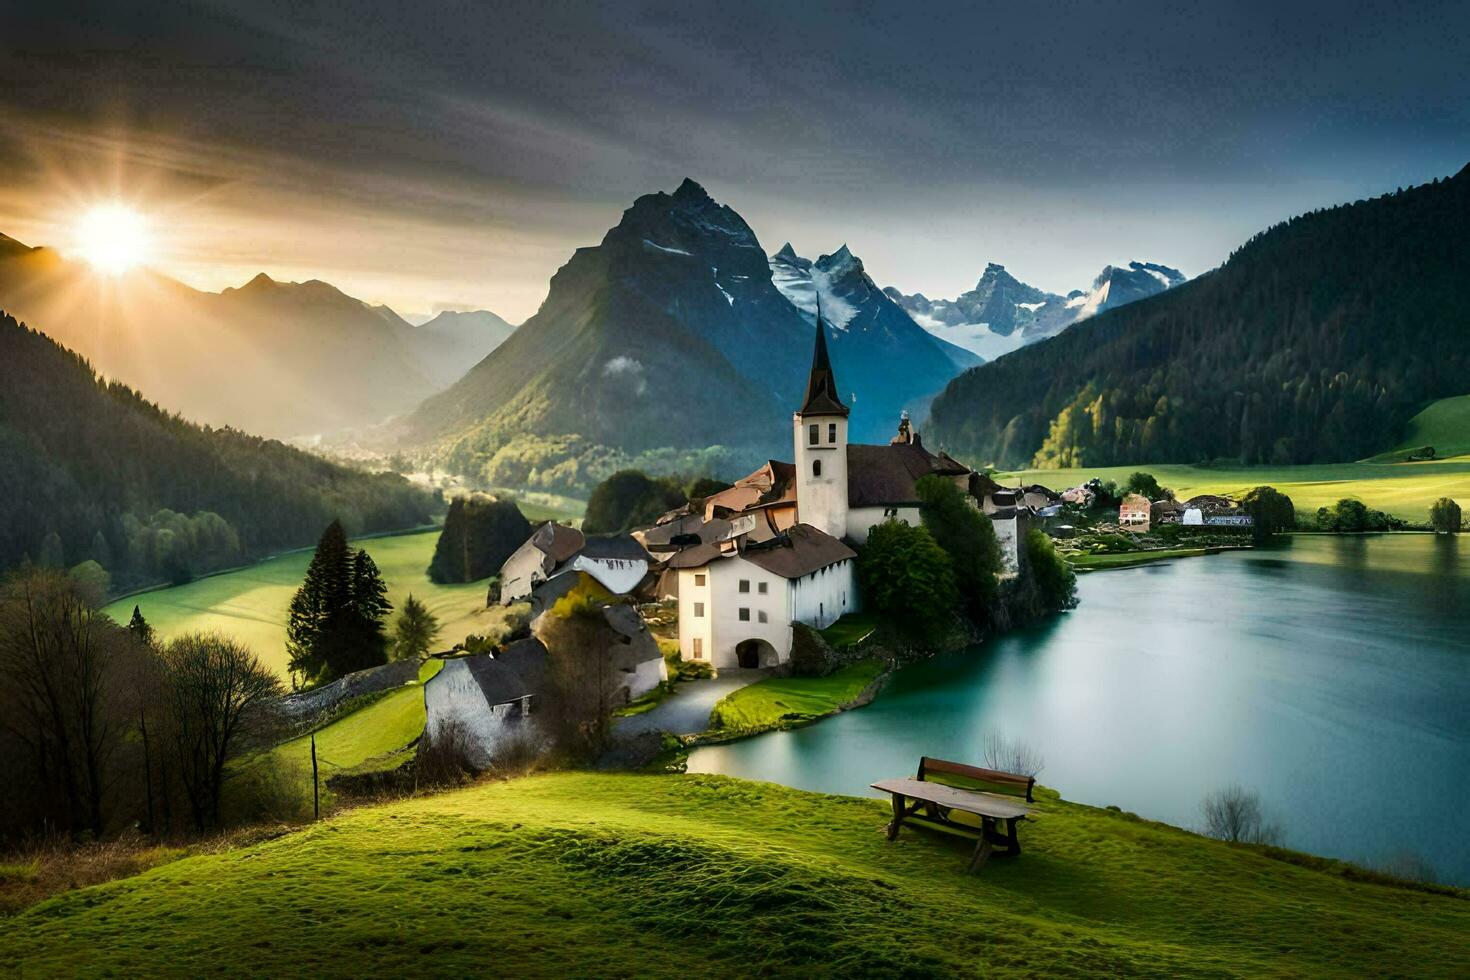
453, 154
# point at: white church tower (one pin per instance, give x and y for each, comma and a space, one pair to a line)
820, 435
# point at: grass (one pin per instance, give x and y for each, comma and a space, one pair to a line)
784, 702
850, 630
250, 604
581, 874
367, 740
1445, 425
1131, 558
1403, 489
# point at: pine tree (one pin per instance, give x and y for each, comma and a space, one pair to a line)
414, 631
139, 628
320, 604
52, 555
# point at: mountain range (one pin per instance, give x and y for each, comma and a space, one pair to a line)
93, 471
1316, 341
274, 358
1001, 313
676, 342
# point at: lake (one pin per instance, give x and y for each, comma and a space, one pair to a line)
1330, 674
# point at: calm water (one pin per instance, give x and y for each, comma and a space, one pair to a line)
1332, 675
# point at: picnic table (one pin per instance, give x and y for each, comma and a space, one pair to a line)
931, 803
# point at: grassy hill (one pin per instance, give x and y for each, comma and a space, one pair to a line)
1445, 425
1403, 489
577, 874
250, 604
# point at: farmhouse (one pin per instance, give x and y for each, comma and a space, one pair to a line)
776, 548
617, 561
1135, 512
489, 700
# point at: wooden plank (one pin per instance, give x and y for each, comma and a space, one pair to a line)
969, 801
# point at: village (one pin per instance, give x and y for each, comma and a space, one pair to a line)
728, 583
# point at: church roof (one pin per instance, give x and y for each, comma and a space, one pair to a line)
884, 476
821, 386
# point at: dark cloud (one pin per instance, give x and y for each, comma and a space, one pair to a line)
1055, 136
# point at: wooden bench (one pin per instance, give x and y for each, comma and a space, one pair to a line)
945, 789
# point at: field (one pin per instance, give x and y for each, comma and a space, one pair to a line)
1403, 489
783, 701
580, 874
250, 604
1444, 425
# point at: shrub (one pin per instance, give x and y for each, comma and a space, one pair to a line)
1235, 814
1444, 515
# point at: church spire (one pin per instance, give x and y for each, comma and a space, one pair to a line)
821, 386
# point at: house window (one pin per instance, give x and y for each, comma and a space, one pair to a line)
745, 615
760, 587
811, 434
761, 616
698, 648
699, 610
890, 511
699, 580
745, 585
816, 467
831, 431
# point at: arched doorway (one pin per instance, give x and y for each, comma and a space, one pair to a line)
756, 653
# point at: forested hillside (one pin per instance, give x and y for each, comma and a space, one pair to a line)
93, 471
1315, 342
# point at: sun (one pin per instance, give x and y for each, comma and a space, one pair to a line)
113, 238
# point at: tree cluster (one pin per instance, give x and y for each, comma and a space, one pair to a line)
968, 537
335, 622
94, 472
480, 533
1315, 342
908, 579
1349, 516
632, 498
101, 726
1270, 510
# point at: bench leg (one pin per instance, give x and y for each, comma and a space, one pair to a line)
897, 820
1011, 838
981, 855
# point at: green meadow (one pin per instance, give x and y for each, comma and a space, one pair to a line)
250, 603
1403, 489
781, 702
581, 874
1444, 425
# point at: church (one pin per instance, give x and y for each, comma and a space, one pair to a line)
777, 547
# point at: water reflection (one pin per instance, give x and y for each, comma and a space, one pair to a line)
1329, 673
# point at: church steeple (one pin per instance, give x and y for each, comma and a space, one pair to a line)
821, 386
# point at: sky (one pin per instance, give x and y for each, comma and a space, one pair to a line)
452, 155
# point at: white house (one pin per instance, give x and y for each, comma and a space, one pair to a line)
491, 699
736, 606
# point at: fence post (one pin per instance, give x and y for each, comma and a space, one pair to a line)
316, 805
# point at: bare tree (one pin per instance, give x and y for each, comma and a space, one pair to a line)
61, 666
1011, 755
216, 689
1235, 814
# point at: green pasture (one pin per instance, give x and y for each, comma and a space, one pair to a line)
618, 875
250, 603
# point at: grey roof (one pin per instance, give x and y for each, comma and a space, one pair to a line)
516, 672
802, 550
623, 546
